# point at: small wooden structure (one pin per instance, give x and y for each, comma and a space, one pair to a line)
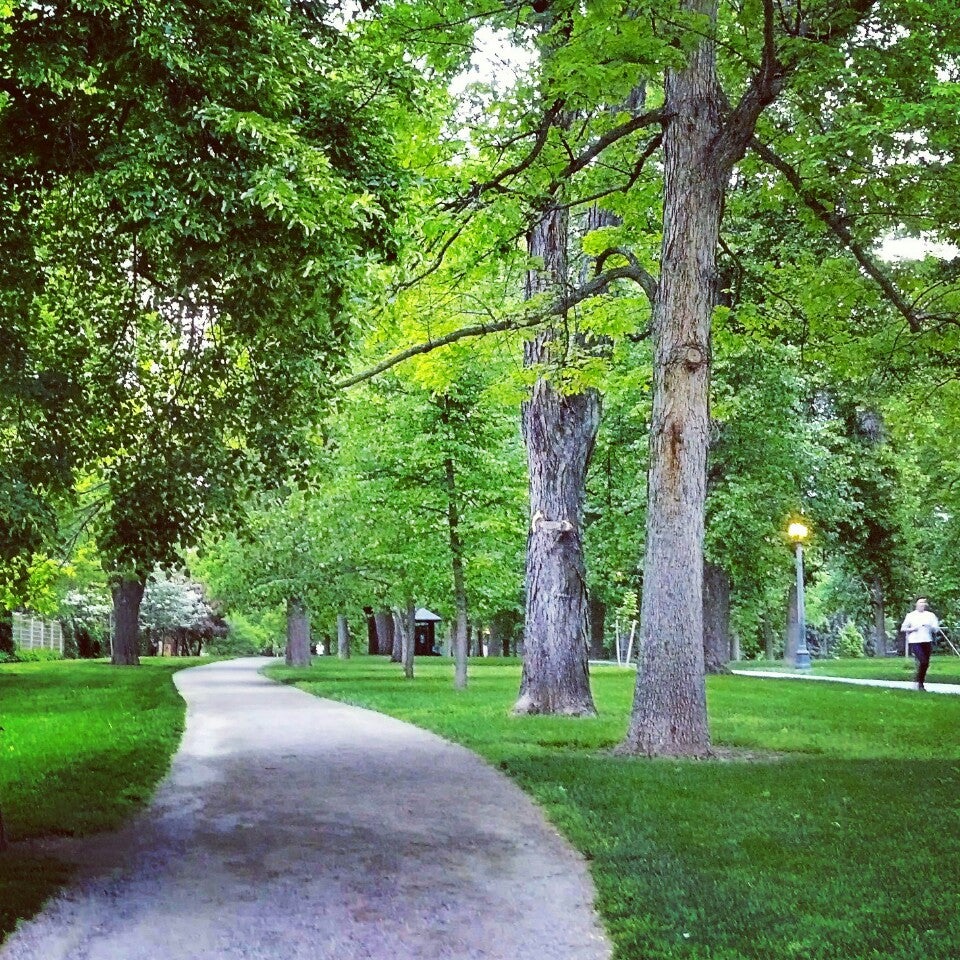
425, 635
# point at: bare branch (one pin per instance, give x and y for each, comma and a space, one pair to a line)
558, 307
763, 89
608, 139
840, 230
643, 277
839, 24
478, 189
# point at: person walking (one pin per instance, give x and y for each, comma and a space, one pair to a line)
918, 627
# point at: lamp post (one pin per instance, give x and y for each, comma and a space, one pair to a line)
798, 533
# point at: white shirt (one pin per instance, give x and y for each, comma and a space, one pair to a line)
919, 625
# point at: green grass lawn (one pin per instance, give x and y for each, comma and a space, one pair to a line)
846, 847
82, 746
943, 669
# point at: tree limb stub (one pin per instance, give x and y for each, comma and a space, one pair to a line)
558, 307
840, 230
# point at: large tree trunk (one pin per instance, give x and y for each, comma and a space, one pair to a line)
716, 618
3, 833
127, 595
559, 431
384, 624
343, 637
879, 618
298, 634
669, 715
702, 141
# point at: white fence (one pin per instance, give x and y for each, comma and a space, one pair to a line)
32, 633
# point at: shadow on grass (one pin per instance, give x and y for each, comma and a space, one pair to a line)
26, 883
806, 857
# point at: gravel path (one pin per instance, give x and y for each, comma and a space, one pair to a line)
292, 827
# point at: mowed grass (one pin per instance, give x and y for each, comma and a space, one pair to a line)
82, 746
943, 669
844, 844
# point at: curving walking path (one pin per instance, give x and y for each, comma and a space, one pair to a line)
291, 828
929, 687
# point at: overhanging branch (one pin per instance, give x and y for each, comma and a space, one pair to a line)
842, 232
477, 190
557, 307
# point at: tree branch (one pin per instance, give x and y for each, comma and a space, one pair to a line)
645, 279
840, 230
558, 307
763, 89
608, 139
478, 189
837, 25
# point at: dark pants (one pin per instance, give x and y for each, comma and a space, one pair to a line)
922, 653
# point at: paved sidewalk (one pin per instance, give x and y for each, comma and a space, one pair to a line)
294, 828
953, 688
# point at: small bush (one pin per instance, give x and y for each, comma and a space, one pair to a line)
35, 656
849, 641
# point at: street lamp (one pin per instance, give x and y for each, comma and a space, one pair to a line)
798, 532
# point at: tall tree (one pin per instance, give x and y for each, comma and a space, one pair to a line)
204, 198
703, 140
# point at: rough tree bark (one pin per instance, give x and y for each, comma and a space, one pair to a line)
343, 637
702, 140
559, 431
716, 618
298, 634
127, 595
3, 833
669, 713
